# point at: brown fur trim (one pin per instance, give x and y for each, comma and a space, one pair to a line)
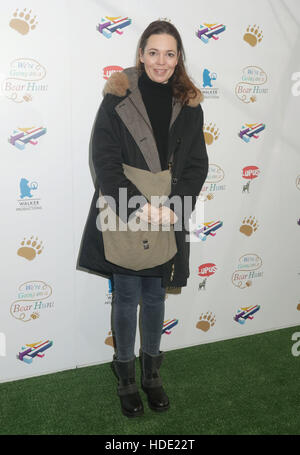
117, 84
194, 102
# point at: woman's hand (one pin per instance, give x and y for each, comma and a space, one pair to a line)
167, 216
153, 215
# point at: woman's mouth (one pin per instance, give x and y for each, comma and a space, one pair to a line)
160, 71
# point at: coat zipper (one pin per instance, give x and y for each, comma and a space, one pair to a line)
170, 165
172, 272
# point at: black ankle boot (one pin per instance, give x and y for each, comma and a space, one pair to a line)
152, 383
131, 403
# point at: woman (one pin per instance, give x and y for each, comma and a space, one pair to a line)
148, 113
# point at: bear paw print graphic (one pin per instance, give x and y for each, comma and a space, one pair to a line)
206, 321
30, 248
27, 97
249, 225
211, 133
109, 340
23, 22
253, 35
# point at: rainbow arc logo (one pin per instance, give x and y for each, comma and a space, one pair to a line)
207, 229
110, 25
168, 325
30, 351
23, 136
208, 31
245, 313
251, 130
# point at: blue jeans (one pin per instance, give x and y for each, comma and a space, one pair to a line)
128, 290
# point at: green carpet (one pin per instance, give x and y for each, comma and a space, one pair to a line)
247, 385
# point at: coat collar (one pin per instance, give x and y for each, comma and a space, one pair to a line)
131, 110
120, 82
126, 83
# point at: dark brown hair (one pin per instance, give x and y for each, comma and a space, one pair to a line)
183, 87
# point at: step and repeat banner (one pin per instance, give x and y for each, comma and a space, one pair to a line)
244, 265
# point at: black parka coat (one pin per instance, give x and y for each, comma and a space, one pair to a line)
123, 134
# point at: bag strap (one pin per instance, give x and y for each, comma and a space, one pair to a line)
170, 163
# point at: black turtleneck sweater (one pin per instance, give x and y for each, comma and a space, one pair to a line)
157, 98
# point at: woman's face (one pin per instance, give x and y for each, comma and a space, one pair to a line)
160, 57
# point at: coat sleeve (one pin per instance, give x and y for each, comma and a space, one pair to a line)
195, 169
107, 160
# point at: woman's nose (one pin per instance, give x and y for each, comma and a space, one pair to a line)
161, 59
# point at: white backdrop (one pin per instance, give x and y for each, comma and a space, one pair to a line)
245, 276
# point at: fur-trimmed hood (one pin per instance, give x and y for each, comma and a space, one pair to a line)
120, 82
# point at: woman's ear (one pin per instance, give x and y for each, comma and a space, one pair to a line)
141, 55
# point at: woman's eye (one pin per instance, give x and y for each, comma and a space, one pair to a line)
153, 53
